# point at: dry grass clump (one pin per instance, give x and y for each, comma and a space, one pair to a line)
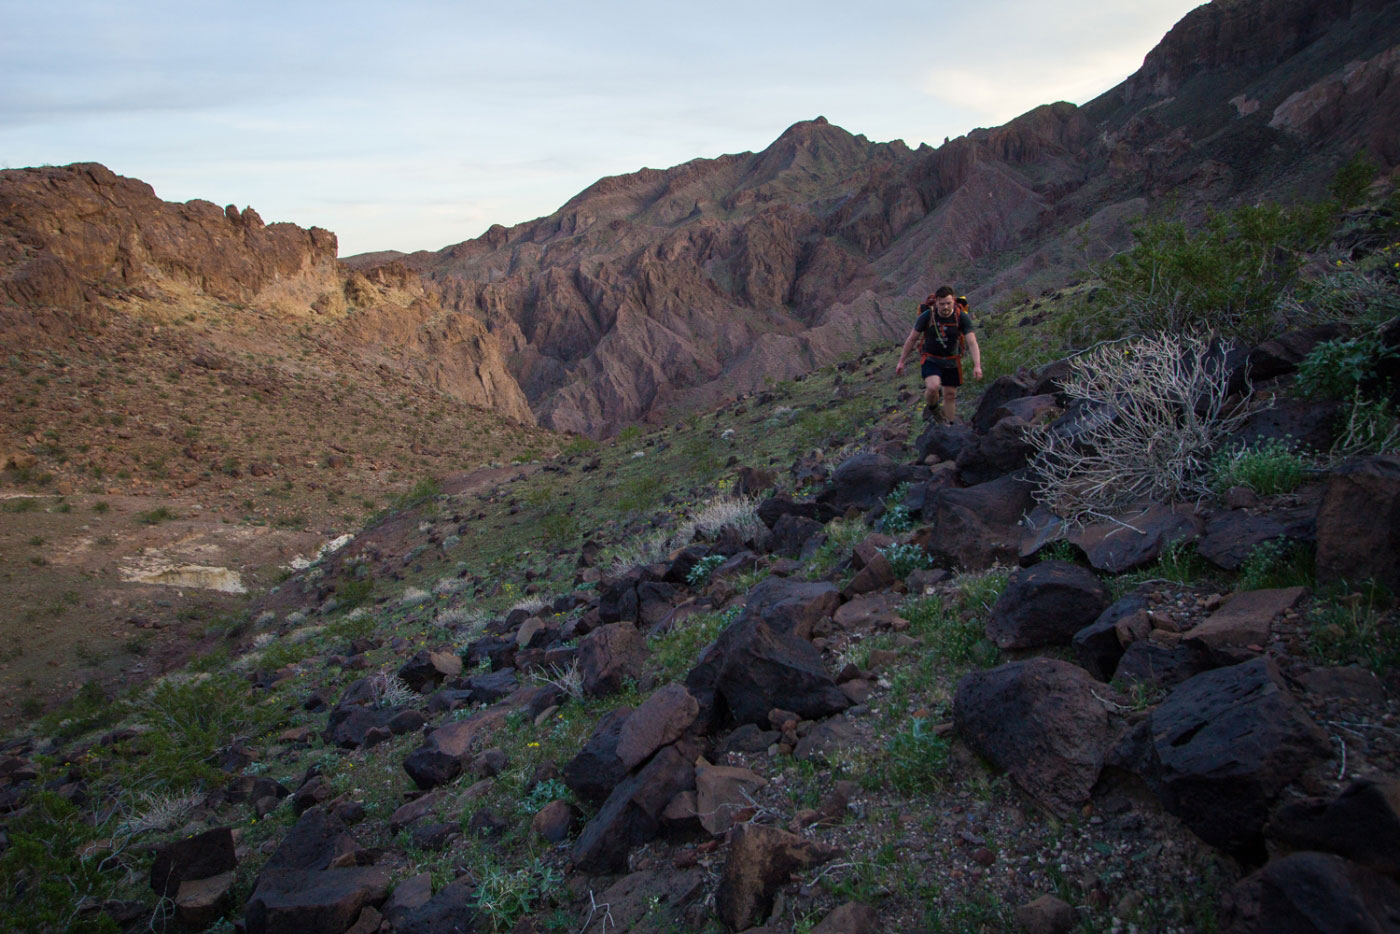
1158, 410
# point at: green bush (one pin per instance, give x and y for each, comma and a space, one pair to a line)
1338, 369
700, 573
1277, 563
1352, 629
1226, 275
155, 516
905, 559
424, 490
916, 759
1353, 179
1269, 468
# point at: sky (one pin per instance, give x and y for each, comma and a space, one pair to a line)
418, 124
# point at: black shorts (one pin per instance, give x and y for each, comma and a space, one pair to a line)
948, 371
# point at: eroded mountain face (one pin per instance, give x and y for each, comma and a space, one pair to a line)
80, 244
687, 286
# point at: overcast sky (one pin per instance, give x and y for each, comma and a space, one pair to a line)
418, 124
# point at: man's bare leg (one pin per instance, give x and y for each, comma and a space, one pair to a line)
932, 387
950, 404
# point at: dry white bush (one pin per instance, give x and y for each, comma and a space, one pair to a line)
741, 512
569, 680
263, 639
414, 596
470, 619
160, 811
265, 618
389, 690
304, 634
359, 612
529, 604
1163, 406
641, 551
450, 585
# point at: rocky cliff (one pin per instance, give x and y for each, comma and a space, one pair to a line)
80, 244
691, 285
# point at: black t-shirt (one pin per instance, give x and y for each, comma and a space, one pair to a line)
941, 340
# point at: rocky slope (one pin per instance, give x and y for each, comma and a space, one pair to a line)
692, 285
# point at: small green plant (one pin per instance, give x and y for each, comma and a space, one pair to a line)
1337, 369
905, 559
422, 491
353, 593
1269, 468
916, 759
1352, 628
156, 516
1353, 179
1277, 563
702, 570
503, 896
629, 434
19, 504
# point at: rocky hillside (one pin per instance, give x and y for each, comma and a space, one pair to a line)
692, 285
798, 664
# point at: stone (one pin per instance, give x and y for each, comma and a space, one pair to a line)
1046, 604
597, 769
752, 481
794, 607
760, 860
610, 655
1306, 423
1046, 915
555, 821
448, 749
631, 815
408, 895
721, 793
775, 507
850, 918
659, 721
1001, 450
200, 902
1000, 392
430, 668
318, 840
1312, 892
1162, 666
296, 901
651, 900
976, 527
201, 856
1240, 629
944, 442
1358, 524
825, 738
410, 813
1220, 748
753, 668
1097, 646
451, 911
1040, 721
791, 533
1232, 535
1362, 824
1132, 539
863, 481
860, 611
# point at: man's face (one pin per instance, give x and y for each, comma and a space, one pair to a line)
944, 305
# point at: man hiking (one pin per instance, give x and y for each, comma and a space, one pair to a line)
945, 328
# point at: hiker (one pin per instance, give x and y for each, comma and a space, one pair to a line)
946, 327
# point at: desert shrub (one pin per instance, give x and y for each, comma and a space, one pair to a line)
1352, 628
905, 559
1268, 468
1277, 563
896, 518
422, 491
1338, 369
1368, 427
155, 516
916, 759
1352, 180
1161, 411
1226, 275
702, 570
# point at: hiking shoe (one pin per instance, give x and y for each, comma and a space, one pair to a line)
932, 414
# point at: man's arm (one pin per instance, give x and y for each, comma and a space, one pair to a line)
976, 353
909, 343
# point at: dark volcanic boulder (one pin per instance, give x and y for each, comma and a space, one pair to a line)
318, 840
596, 770
1361, 824
793, 606
1046, 605
1232, 534
608, 656
976, 527
991, 407
447, 749
1312, 893
945, 442
632, 813
296, 901
1040, 721
1221, 747
753, 668
864, 481
1001, 450
198, 857
1097, 646
775, 507
1358, 526
762, 859
791, 533
1163, 666
1309, 424
1132, 539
